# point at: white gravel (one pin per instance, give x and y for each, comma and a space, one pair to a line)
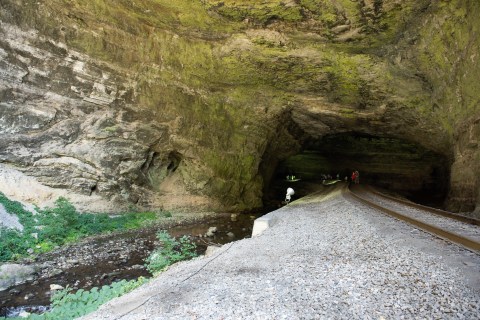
449, 224
323, 259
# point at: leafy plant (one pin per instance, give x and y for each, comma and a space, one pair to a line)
67, 305
58, 225
13, 244
172, 251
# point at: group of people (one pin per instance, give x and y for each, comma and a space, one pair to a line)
326, 176
356, 177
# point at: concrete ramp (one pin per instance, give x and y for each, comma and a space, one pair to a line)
263, 223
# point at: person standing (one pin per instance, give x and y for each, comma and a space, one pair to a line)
357, 177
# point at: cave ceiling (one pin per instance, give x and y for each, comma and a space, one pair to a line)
159, 103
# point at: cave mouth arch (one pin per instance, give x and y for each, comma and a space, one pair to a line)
393, 164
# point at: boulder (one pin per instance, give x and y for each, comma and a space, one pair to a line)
14, 274
211, 250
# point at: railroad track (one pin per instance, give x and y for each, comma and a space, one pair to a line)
461, 230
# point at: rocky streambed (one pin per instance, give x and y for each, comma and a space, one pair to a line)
105, 259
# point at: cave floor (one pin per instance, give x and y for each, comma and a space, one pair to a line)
325, 256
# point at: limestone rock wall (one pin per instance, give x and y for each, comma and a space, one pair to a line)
447, 52
63, 118
98, 102
465, 179
193, 103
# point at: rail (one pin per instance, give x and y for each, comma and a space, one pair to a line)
459, 239
429, 209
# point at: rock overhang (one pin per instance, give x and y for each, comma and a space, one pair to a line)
229, 88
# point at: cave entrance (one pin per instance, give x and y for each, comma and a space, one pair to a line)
396, 165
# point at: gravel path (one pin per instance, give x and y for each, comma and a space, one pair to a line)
325, 258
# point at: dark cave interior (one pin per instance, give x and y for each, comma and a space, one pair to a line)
394, 165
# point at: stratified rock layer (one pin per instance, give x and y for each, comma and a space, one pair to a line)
193, 103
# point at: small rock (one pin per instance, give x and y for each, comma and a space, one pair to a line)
234, 217
55, 272
211, 231
54, 287
14, 292
24, 314
137, 267
30, 251
29, 296
231, 235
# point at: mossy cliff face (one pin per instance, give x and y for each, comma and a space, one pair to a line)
193, 103
447, 53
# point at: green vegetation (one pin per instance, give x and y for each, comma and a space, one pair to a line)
58, 225
67, 305
62, 224
172, 251
12, 243
262, 13
453, 80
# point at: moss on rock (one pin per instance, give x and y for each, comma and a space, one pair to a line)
218, 78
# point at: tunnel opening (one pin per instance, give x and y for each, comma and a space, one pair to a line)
394, 165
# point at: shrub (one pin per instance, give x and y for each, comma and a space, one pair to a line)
172, 251
59, 225
13, 244
67, 305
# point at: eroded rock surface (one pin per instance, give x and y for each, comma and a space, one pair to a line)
151, 104
11, 274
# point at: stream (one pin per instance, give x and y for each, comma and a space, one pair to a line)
105, 259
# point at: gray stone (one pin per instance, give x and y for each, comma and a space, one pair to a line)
14, 274
55, 287
211, 231
9, 220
